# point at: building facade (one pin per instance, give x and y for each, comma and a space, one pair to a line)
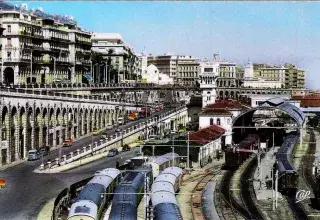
121, 56
183, 69
294, 77
42, 48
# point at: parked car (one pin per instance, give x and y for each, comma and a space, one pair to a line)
33, 155
2, 183
44, 150
109, 127
118, 130
95, 131
67, 143
112, 152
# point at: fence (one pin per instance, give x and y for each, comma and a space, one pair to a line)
89, 150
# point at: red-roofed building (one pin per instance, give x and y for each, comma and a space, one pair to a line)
311, 100
221, 113
210, 139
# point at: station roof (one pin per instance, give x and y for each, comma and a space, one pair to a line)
207, 134
226, 104
277, 103
312, 100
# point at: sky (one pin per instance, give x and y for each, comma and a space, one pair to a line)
271, 32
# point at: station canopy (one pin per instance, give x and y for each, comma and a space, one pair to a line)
274, 103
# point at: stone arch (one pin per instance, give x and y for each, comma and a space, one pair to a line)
22, 135
86, 121
45, 129
91, 114
218, 121
211, 121
232, 95
13, 131
8, 75
226, 95
37, 124
221, 95
52, 121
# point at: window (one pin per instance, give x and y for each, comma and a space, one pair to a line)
9, 28
208, 69
9, 54
117, 59
9, 41
218, 121
211, 121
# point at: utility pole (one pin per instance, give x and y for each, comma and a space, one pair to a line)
122, 111
273, 208
31, 66
277, 188
188, 152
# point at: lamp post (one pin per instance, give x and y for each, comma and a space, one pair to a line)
90, 61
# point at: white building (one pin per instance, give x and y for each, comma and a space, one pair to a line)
209, 71
221, 113
153, 75
263, 76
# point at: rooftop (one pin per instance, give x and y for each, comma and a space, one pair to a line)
226, 104
312, 100
207, 134
215, 112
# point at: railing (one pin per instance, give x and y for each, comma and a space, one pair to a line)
51, 95
86, 151
73, 86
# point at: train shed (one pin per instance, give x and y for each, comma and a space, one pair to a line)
275, 114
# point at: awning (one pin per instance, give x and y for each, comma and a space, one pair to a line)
88, 76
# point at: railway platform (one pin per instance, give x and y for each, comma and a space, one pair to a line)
263, 190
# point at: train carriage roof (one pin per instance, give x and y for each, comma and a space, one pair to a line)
176, 171
162, 187
111, 172
83, 208
168, 178
103, 180
166, 157
92, 192
163, 197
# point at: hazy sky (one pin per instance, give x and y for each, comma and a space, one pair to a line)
273, 32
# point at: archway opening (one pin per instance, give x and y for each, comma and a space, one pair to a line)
8, 76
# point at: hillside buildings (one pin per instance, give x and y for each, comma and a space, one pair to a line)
42, 48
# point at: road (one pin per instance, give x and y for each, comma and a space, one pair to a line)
26, 192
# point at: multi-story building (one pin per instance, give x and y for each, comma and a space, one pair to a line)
294, 77
121, 56
183, 69
42, 48
267, 76
263, 76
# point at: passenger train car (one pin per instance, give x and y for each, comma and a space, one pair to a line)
93, 198
129, 193
163, 196
126, 199
238, 154
288, 176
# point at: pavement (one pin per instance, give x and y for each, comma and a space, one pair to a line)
260, 188
27, 192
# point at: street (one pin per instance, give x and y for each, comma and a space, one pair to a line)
26, 192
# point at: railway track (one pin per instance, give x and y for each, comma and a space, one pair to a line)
246, 192
297, 210
229, 199
307, 162
197, 192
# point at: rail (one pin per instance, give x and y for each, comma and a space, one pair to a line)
51, 95
75, 86
104, 143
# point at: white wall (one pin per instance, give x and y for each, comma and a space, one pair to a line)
260, 83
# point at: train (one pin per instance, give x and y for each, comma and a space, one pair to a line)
163, 196
92, 199
288, 176
235, 156
130, 190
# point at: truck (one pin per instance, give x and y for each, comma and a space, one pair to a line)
67, 143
